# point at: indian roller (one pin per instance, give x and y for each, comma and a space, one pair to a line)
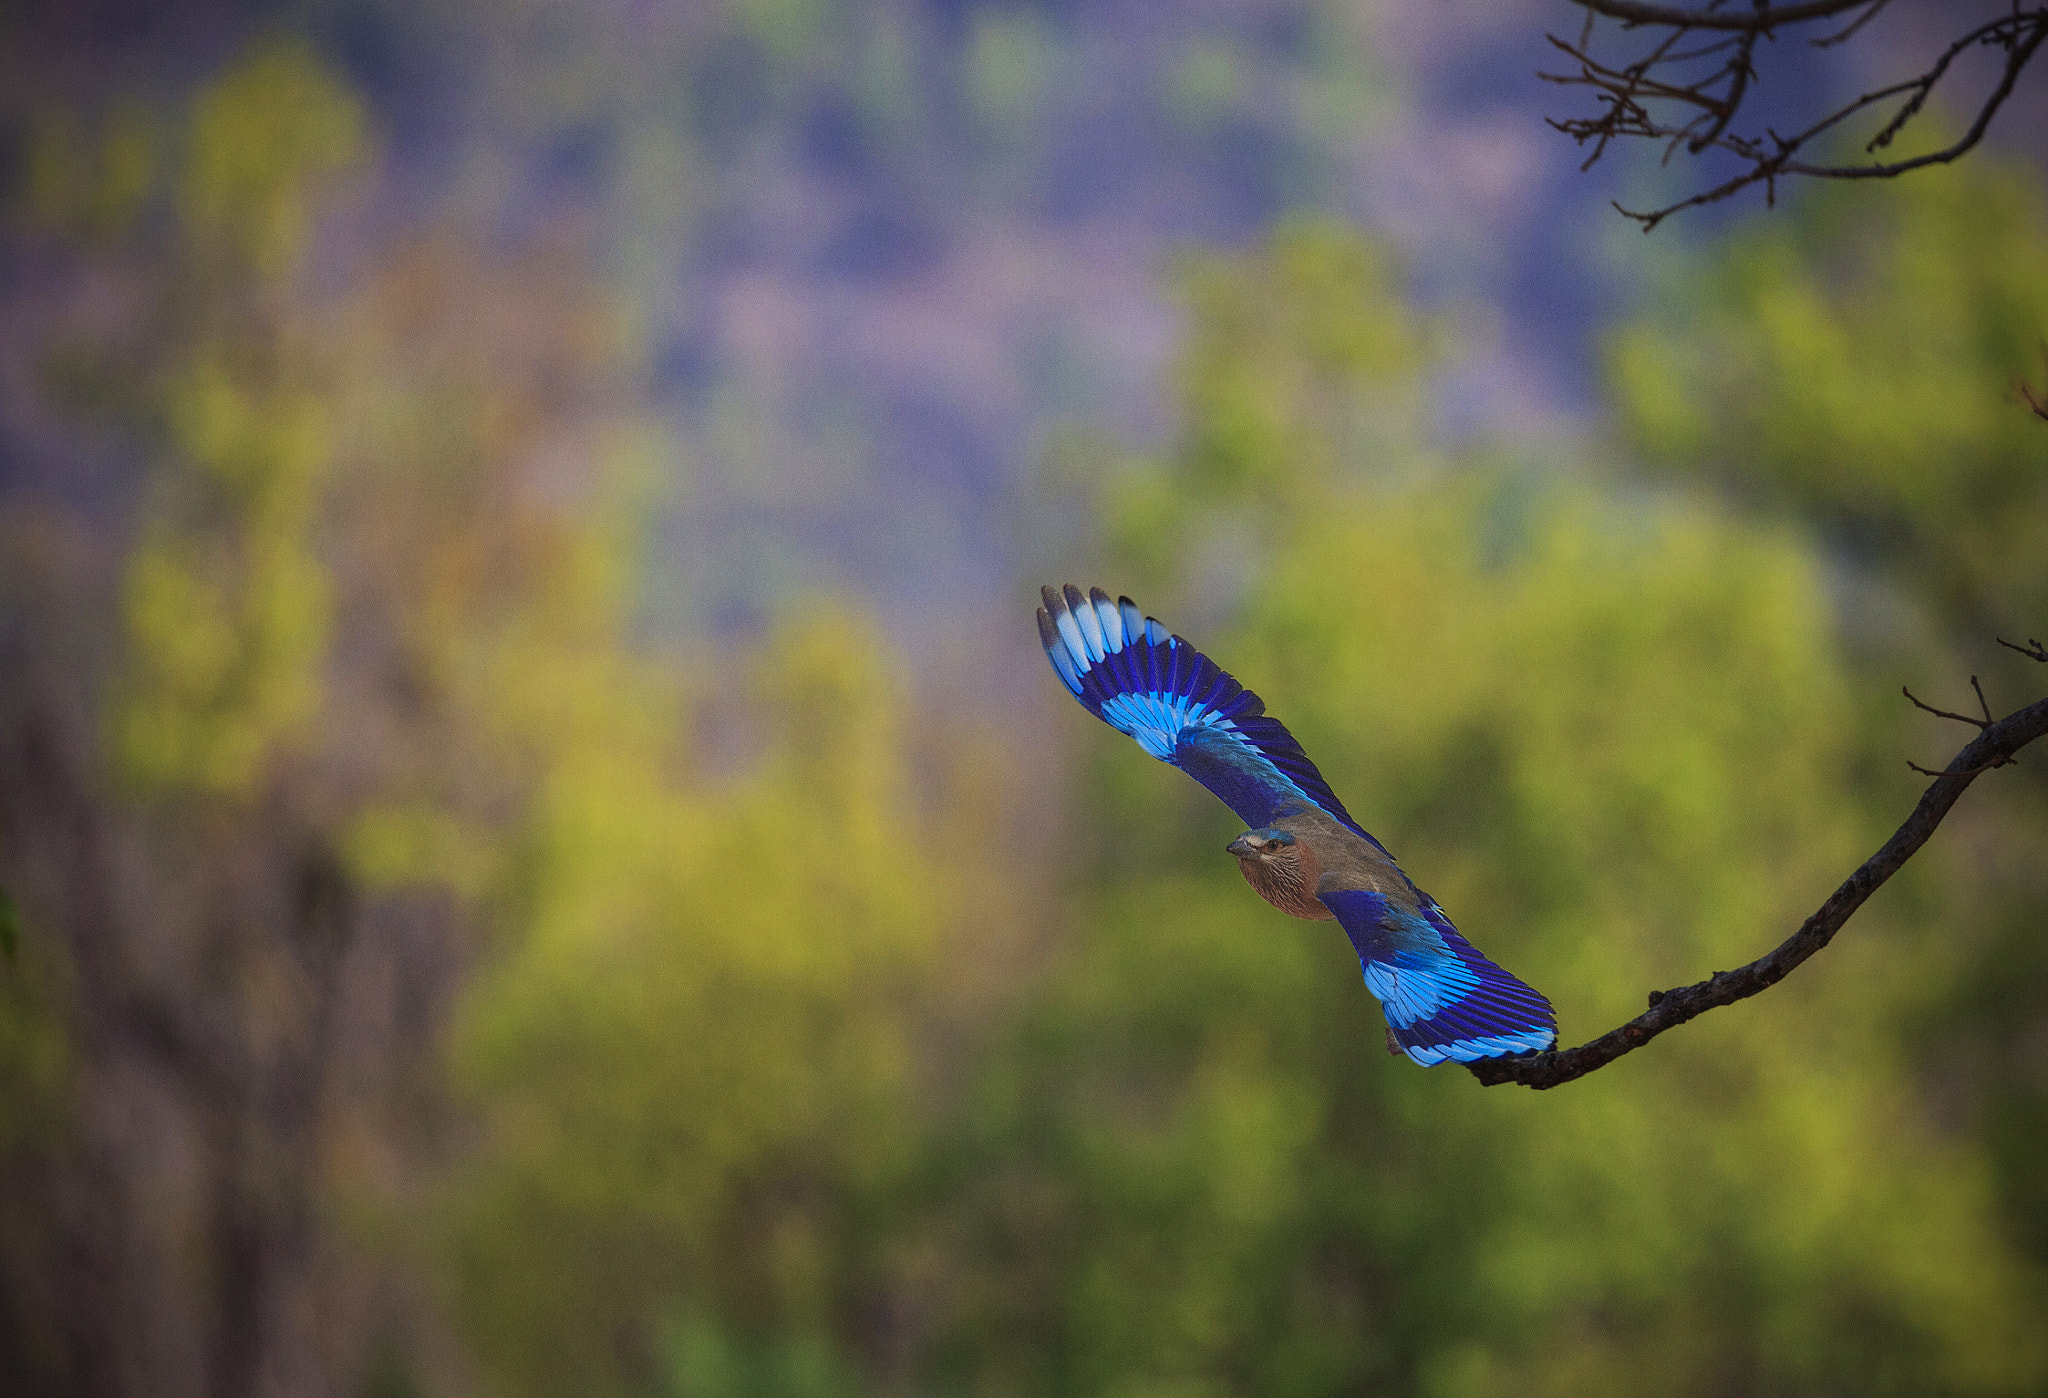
1304, 853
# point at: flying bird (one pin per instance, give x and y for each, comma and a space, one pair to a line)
1304, 853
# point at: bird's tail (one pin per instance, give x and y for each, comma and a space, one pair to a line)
1444, 1000
1460, 1008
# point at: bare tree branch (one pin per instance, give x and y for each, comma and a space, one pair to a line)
1637, 99
1994, 747
1978, 723
1761, 19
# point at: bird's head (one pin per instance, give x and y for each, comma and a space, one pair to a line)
1264, 846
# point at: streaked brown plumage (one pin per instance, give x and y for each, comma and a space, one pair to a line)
1304, 850
1281, 871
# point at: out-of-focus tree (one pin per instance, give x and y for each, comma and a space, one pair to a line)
1552, 706
193, 924
333, 758
693, 1060
362, 722
1857, 376
228, 607
187, 751
1859, 373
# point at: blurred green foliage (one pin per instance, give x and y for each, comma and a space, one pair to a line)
1184, 1165
1615, 739
1008, 65
694, 1051
228, 607
264, 139
91, 188
1856, 365
1297, 366
725, 1110
1854, 368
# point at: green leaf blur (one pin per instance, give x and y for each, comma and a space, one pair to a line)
755, 1016
1616, 740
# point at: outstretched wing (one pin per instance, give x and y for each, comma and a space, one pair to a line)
1442, 998
1128, 671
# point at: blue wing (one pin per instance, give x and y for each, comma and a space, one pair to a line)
1442, 998
1182, 708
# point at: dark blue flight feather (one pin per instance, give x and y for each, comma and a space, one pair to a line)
1442, 998
1131, 673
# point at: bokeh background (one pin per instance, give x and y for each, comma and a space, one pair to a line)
543, 856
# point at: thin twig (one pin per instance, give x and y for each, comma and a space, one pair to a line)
1972, 772
2038, 406
1671, 1008
1708, 51
1984, 722
1740, 66
2032, 650
1981, 724
1855, 24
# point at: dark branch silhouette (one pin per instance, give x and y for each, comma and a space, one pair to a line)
2037, 404
1980, 724
1758, 20
1692, 96
1995, 746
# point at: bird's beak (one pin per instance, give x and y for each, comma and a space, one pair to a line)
1241, 847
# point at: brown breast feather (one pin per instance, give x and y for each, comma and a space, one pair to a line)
1288, 881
